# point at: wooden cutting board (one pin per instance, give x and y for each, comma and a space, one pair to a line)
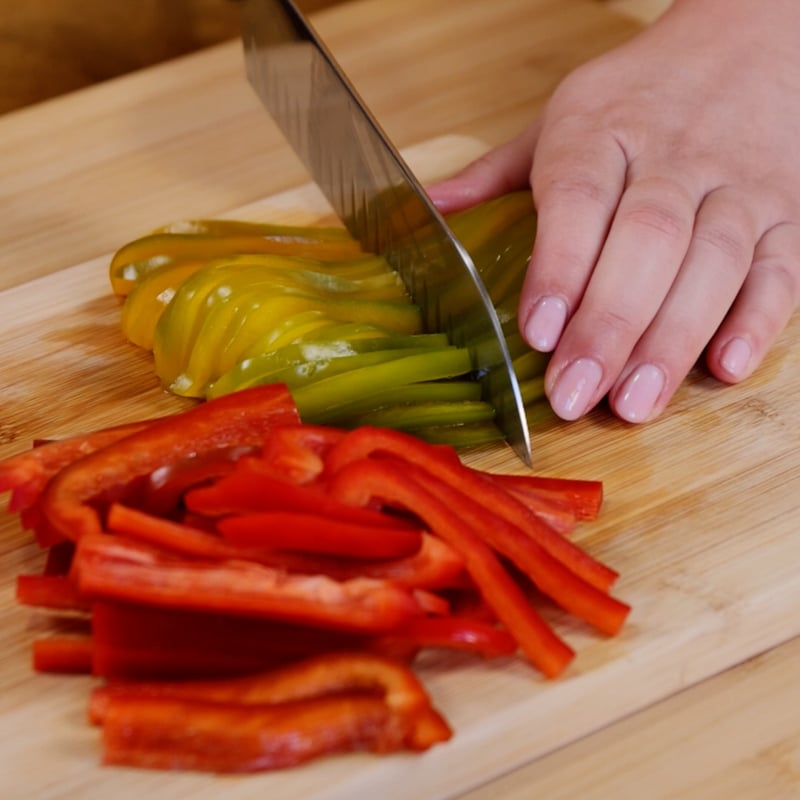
700, 516
695, 520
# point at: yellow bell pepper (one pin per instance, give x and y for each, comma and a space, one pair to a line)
226, 304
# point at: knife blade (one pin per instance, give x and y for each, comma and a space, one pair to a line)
377, 196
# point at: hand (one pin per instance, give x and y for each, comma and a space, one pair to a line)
666, 177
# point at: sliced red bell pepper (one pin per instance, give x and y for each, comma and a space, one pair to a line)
115, 568
326, 673
162, 493
212, 737
270, 720
481, 490
26, 474
296, 452
450, 632
434, 565
175, 537
234, 420
314, 533
50, 591
581, 497
63, 654
59, 558
415, 489
252, 487
551, 576
150, 642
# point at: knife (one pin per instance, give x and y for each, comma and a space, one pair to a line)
377, 197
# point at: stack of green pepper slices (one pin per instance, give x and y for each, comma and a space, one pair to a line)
225, 305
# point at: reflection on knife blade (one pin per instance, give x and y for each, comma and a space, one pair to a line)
376, 195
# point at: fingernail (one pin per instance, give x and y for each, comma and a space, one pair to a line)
640, 392
736, 356
545, 323
575, 388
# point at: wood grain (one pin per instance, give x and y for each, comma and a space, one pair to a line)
50, 47
189, 138
683, 747
701, 508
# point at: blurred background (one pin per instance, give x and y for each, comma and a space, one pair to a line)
49, 47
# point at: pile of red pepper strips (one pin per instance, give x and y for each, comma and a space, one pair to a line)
248, 577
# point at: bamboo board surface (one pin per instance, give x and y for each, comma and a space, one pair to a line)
701, 508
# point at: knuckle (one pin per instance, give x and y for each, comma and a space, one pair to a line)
611, 327
582, 187
728, 240
658, 217
786, 280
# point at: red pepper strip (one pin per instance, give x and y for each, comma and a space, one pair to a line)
431, 603
582, 498
555, 513
251, 487
435, 564
27, 473
297, 451
191, 735
327, 673
59, 558
294, 713
480, 490
149, 642
63, 654
560, 519
313, 533
163, 491
32, 519
551, 577
115, 568
180, 539
454, 633
467, 603
415, 489
240, 418
50, 591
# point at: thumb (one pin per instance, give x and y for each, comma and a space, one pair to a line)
504, 169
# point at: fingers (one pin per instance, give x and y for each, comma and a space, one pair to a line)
769, 297
505, 169
710, 278
576, 191
639, 261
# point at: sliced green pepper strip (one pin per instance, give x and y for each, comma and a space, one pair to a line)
235, 227
147, 300
411, 416
489, 220
138, 257
530, 365
221, 339
292, 330
401, 318
323, 395
313, 362
473, 435
532, 390
226, 311
450, 391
